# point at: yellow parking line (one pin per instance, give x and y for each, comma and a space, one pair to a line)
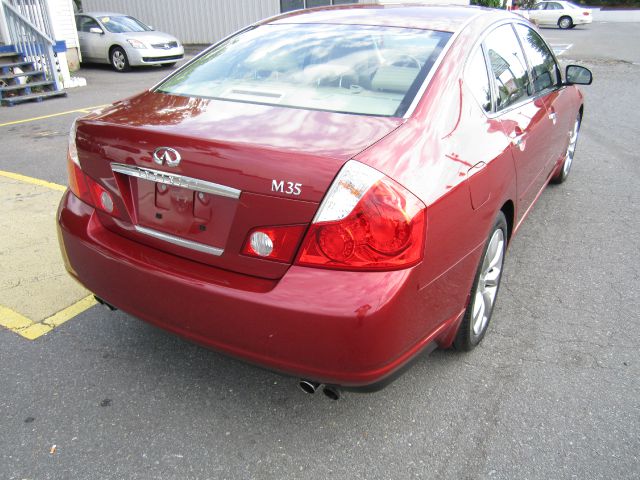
31, 330
77, 110
33, 181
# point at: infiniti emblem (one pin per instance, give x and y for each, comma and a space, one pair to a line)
166, 155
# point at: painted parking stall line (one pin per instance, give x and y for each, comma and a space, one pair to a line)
36, 293
560, 48
68, 112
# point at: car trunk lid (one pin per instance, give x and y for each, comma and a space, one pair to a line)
193, 176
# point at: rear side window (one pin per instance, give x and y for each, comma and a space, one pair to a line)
508, 66
544, 69
477, 79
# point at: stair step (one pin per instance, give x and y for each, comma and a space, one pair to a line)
14, 64
9, 55
32, 96
11, 76
26, 85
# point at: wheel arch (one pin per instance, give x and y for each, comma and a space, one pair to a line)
508, 209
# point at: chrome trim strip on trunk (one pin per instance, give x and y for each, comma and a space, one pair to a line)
181, 242
176, 180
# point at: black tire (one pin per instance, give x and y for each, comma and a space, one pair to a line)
565, 22
119, 60
565, 169
476, 319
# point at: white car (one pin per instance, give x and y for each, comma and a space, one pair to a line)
563, 14
124, 42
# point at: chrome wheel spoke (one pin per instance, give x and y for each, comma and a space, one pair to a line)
478, 313
492, 277
573, 141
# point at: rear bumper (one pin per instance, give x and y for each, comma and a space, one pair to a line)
582, 19
335, 327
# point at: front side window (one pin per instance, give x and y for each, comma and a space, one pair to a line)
85, 24
477, 79
508, 66
544, 69
341, 68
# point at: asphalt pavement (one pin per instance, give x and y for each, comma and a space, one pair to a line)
553, 392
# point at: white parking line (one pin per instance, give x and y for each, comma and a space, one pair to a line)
560, 48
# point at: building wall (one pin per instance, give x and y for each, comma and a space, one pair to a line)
63, 22
192, 21
207, 21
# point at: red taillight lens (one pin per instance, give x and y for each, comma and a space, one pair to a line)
77, 182
384, 231
82, 186
586, 14
274, 243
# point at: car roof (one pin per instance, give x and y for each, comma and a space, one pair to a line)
448, 18
103, 14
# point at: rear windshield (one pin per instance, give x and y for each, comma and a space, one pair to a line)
339, 68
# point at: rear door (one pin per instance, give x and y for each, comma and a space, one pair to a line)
523, 117
536, 14
551, 13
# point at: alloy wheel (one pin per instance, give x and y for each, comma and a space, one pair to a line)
488, 282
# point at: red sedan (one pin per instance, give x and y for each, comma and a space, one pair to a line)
326, 193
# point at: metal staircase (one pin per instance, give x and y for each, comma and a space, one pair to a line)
29, 67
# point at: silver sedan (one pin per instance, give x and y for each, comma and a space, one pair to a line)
124, 41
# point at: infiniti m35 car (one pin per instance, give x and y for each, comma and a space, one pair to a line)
326, 193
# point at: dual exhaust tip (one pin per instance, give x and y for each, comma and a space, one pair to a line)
310, 387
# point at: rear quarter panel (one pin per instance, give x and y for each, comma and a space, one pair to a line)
443, 150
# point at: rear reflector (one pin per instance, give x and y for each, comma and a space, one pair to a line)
274, 243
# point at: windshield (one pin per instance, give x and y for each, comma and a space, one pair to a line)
123, 24
340, 68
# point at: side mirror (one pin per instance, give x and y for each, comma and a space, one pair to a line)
577, 75
96, 30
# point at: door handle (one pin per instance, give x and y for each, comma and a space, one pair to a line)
517, 138
553, 116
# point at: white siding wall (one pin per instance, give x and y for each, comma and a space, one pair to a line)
63, 22
191, 21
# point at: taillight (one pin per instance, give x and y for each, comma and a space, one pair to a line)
77, 181
586, 14
274, 243
82, 186
366, 222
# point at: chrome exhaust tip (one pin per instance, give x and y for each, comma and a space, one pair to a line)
102, 302
307, 386
331, 392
